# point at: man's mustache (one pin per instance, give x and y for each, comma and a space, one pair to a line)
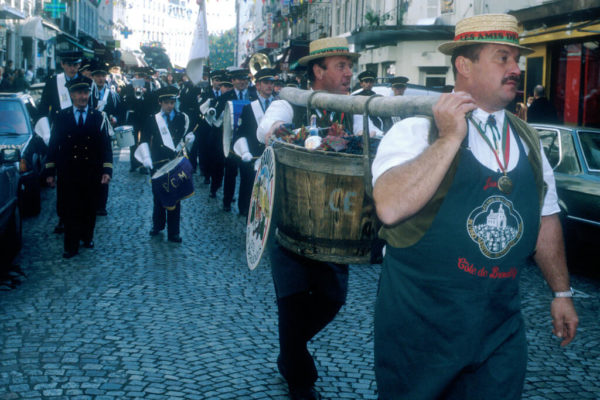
515, 78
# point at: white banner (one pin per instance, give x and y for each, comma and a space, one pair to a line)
199, 52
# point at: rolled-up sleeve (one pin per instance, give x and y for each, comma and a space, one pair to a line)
403, 142
278, 111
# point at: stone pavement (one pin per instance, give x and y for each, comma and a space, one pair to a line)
143, 318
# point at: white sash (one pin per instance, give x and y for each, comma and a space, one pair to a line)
257, 111
63, 92
104, 100
165, 134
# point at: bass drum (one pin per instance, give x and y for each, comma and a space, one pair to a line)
231, 121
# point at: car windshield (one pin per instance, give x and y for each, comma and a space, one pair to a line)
590, 144
12, 118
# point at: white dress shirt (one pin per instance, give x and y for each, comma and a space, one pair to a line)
409, 138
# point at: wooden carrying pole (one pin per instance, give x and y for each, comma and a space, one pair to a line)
380, 106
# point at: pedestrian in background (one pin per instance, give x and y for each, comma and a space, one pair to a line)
465, 203
80, 156
541, 109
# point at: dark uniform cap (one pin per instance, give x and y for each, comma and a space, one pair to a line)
71, 57
167, 93
218, 74
98, 67
265, 74
241, 73
85, 65
399, 81
79, 83
367, 75
226, 80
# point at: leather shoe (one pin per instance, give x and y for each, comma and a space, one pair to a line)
69, 254
154, 231
212, 195
227, 208
305, 394
175, 239
88, 244
59, 228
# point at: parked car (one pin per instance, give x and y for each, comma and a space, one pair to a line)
574, 154
10, 216
16, 132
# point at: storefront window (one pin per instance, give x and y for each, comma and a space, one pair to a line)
576, 77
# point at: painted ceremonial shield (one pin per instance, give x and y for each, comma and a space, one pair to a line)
261, 213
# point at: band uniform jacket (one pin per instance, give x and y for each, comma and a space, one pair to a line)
248, 128
79, 154
160, 153
50, 103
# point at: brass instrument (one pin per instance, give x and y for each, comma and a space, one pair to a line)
258, 61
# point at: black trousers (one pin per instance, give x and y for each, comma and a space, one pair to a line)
247, 175
231, 167
309, 295
216, 163
79, 200
102, 197
162, 217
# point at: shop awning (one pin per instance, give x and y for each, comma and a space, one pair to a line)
32, 27
7, 12
87, 52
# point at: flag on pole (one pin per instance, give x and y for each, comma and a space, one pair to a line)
199, 51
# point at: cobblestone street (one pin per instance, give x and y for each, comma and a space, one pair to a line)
139, 317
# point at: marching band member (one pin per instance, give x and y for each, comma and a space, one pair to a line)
163, 136
398, 87
377, 125
80, 155
246, 145
55, 97
108, 102
241, 91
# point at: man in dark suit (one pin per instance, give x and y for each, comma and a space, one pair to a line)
367, 80
55, 97
80, 155
541, 110
246, 145
241, 91
164, 134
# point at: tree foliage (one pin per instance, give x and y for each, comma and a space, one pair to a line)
222, 49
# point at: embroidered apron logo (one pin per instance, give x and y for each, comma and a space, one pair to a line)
495, 226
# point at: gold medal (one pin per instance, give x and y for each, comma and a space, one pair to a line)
505, 184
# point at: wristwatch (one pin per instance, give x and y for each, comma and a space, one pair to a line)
568, 293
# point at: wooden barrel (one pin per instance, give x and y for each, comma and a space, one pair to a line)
322, 209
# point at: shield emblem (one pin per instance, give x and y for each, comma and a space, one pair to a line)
261, 213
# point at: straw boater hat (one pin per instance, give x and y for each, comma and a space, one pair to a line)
328, 47
485, 28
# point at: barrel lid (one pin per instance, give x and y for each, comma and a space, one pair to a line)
261, 213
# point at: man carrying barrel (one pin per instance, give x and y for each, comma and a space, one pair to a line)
309, 293
163, 137
466, 199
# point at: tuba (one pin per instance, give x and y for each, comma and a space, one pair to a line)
257, 62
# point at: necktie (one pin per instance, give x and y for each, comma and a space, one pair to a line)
166, 117
267, 103
240, 96
491, 123
80, 120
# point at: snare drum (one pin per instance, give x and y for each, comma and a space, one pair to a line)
124, 136
173, 182
231, 121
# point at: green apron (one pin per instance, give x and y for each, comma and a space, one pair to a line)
447, 318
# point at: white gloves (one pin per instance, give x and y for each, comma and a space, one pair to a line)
147, 162
42, 128
246, 156
189, 140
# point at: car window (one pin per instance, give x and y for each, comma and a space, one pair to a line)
590, 144
569, 163
551, 144
12, 118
